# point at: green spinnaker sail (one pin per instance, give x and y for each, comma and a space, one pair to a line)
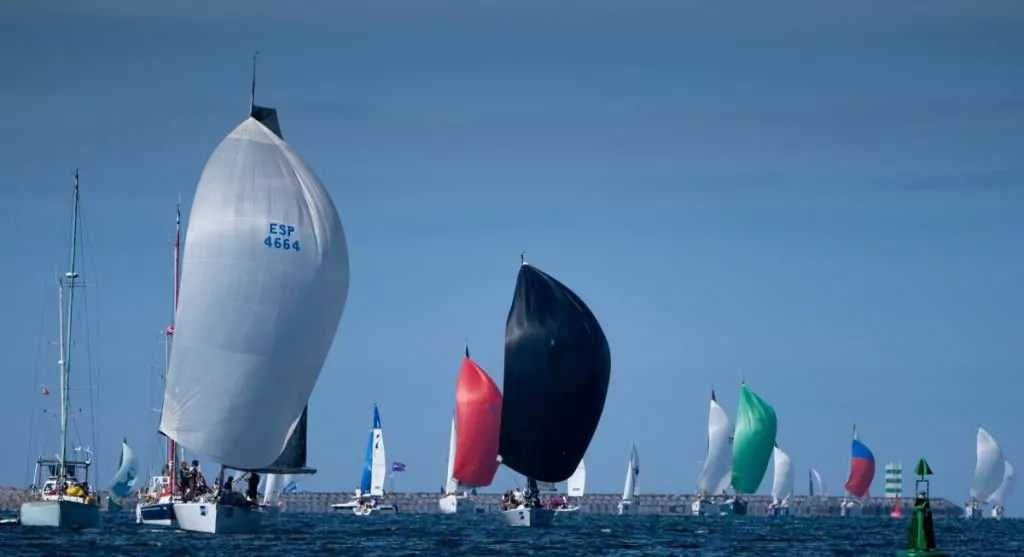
753, 441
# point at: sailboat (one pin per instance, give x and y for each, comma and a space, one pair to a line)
124, 479
575, 487
473, 448
369, 496
155, 506
752, 446
998, 499
814, 477
862, 473
64, 499
782, 483
631, 488
263, 287
717, 459
557, 368
988, 473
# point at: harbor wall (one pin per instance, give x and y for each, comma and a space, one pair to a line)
600, 503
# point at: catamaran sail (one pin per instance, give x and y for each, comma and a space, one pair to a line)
557, 368
999, 498
127, 471
988, 472
264, 284
782, 482
631, 489
369, 497
473, 450
718, 458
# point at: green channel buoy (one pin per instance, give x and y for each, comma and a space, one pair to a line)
921, 540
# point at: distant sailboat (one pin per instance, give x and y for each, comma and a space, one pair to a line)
370, 496
999, 498
557, 368
63, 498
716, 471
264, 283
631, 489
782, 484
862, 473
124, 479
813, 476
275, 487
988, 473
575, 487
752, 447
473, 448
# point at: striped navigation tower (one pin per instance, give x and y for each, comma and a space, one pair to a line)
894, 486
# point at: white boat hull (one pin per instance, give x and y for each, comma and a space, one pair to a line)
625, 507
849, 510
379, 509
528, 517
997, 512
778, 510
60, 514
703, 507
973, 511
456, 504
570, 509
211, 518
156, 514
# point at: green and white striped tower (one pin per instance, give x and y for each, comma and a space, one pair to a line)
894, 480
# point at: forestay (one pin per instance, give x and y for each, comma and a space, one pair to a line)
264, 283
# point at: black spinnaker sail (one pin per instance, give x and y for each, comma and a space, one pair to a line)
557, 367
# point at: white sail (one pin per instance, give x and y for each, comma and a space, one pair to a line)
451, 484
575, 486
718, 460
1005, 488
782, 486
272, 491
632, 471
989, 469
378, 464
821, 483
724, 483
263, 286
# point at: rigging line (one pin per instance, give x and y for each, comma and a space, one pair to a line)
92, 361
29, 467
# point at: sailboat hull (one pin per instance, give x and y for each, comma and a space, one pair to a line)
849, 509
379, 509
211, 518
626, 507
570, 509
60, 514
733, 507
703, 507
997, 512
778, 510
536, 517
456, 504
155, 514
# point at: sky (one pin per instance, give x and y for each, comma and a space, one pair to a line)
825, 200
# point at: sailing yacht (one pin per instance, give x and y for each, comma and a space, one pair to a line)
862, 473
370, 497
63, 498
989, 471
124, 480
264, 283
717, 460
575, 487
631, 489
276, 485
473, 446
998, 499
782, 484
557, 368
752, 447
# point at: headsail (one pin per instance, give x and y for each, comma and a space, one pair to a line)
264, 283
557, 368
632, 488
754, 440
822, 490
989, 469
782, 484
576, 485
127, 471
451, 485
719, 454
862, 468
478, 417
1006, 488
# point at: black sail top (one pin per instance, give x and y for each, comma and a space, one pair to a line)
557, 367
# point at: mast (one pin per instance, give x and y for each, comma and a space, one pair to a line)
172, 449
65, 340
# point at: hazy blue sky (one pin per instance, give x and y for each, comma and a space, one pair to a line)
827, 201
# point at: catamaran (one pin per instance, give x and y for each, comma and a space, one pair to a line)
473, 447
752, 447
988, 473
862, 473
999, 498
631, 489
264, 282
370, 497
63, 498
782, 483
557, 368
717, 464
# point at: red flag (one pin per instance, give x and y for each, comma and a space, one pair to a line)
170, 330
46, 392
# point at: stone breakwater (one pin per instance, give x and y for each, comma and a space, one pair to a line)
309, 502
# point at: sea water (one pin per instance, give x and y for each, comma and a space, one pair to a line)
341, 533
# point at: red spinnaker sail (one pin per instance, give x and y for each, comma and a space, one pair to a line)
478, 425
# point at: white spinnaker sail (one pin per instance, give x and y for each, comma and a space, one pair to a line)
782, 486
989, 469
451, 484
378, 464
576, 485
822, 491
630, 490
256, 316
718, 460
1006, 488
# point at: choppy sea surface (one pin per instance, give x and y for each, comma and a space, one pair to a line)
481, 535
